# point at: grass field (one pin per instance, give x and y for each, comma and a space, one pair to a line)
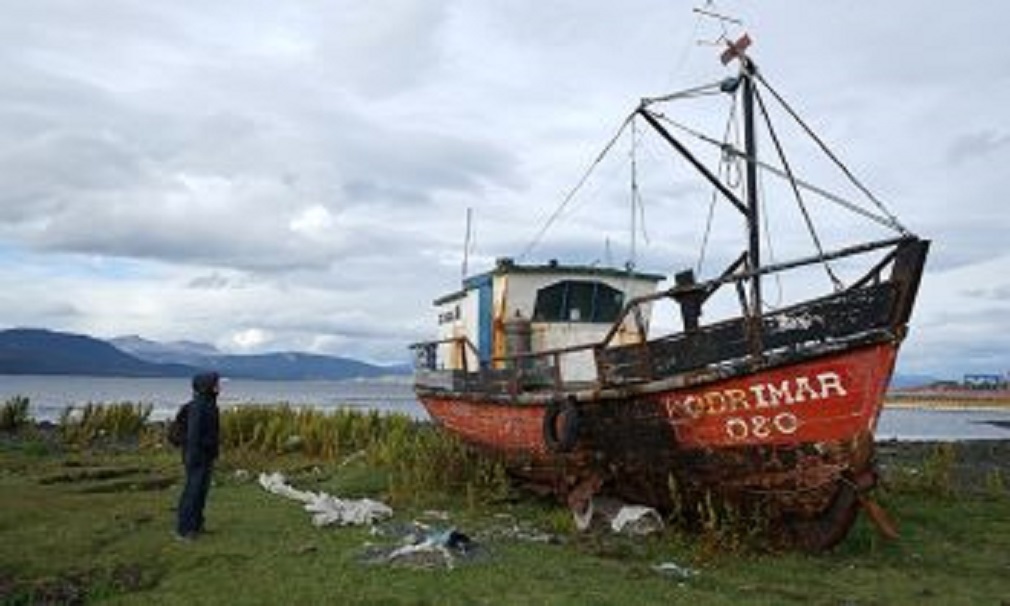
84, 524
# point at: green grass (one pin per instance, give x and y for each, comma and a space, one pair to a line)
85, 520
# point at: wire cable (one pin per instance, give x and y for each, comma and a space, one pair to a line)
571, 194
894, 223
726, 166
796, 191
830, 197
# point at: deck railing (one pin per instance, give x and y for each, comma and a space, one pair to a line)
872, 306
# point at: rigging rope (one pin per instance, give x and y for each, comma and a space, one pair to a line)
698, 91
728, 167
796, 192
894, 223
571, 194
770, 247
678, 66
637, 202
634, 192
836, 199
888, 220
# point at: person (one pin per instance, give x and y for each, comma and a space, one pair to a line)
199, 451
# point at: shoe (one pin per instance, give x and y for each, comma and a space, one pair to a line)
188, 537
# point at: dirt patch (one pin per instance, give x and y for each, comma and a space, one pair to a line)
131, 485
88, 475
78, 587
97, 479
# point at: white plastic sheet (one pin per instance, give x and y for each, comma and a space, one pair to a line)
623, 519
327, 509
637, 520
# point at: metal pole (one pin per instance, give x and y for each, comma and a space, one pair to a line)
753, 211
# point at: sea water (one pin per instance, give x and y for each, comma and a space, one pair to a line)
50, 395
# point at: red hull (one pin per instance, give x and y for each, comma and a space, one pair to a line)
833, 398
793, 442
771, 415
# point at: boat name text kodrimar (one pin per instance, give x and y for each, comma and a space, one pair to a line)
758, 403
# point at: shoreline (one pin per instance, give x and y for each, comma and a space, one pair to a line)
952, 405
957, 400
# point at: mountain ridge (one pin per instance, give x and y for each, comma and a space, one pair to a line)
48, 352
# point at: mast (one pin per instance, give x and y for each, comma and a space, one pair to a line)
749, 206
753, 209
466, 243
736, 51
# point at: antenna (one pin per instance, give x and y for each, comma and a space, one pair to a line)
719, 18
466, 241
634, 191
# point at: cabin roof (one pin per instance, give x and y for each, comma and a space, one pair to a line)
508, 266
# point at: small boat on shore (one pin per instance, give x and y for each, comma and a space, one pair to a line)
769, 412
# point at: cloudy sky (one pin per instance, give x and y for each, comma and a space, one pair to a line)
295, 175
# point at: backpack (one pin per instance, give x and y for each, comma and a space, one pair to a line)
178, 426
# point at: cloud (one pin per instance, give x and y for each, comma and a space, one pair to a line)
974, 145
297, 175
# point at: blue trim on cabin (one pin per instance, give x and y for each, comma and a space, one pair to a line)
484, 286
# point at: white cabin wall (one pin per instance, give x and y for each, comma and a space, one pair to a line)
457, 318
470, 327
518, 294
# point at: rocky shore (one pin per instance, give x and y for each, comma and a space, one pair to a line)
970, 465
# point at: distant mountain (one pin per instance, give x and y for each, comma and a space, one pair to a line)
276, 366
279, 366
296, 366
173, 352
44, 352
36, 351
907, 381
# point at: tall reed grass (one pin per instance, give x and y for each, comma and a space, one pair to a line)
418, 459
933, 476
91, 423
14, 414
282, 429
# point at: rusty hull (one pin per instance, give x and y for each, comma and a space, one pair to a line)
770, 416
803, 463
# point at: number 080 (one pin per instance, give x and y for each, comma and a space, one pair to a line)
761, 427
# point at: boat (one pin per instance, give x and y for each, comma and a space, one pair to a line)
767, 414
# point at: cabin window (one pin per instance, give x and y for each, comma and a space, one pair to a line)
578, 301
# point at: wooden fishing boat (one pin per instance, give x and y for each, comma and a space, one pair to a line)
768, 413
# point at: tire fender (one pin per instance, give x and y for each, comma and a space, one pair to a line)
561, 425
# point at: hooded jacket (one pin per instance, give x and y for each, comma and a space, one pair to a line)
202, 431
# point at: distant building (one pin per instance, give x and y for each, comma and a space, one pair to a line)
983, 381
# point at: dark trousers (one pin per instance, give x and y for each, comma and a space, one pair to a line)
194, 497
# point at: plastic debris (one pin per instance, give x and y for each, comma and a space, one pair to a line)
583, 519
672, 569
511, 529
637, 520
327, 509
445, 543
436, 514
423, 547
